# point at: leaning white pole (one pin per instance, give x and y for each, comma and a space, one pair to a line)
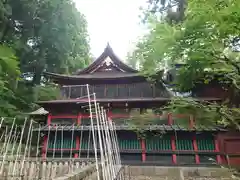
54, 143
14, 140
99, 133
106, 165
108, 145
5, 135
8, 142
25, 151
118, 158
71, 150
19, 146
93, 133
62, 143
2, 119
30, 143
112, 139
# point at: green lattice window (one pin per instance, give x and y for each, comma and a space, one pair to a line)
184, 144
205, 144
59, 144
129, 144
158, 143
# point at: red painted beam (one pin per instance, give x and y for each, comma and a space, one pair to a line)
197, 159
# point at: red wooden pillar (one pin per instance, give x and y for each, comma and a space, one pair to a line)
173, 143
79, 117
109, 114
170, 120
194, 140
191, 122
195, 147
219, 160
143, 146
49, 119
45, 138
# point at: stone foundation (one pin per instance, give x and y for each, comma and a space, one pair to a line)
176, 173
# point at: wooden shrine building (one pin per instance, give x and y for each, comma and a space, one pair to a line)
121, 90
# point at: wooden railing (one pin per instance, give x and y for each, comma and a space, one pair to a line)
114, 91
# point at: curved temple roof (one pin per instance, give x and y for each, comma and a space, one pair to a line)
107, 67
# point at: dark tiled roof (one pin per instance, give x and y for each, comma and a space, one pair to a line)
127, 127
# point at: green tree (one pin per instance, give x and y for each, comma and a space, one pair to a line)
170, 10
37, 36
206, 41
47, 35
60, 40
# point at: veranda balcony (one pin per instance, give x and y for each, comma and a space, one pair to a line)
114, 91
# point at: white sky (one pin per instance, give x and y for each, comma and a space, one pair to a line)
113, 21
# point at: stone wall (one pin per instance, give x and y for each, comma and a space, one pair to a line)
155, 173
31, 169
175, 173
85, 173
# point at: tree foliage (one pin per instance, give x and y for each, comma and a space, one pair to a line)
172, 10
37, 36
206, 41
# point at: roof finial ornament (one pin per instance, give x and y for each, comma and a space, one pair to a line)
108, 46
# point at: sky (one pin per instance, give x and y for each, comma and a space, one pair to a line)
113, 21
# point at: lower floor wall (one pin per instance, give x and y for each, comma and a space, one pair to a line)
177, 148
175, 173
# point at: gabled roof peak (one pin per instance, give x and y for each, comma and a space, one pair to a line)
108, 52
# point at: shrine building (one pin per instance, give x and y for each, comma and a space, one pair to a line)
124, 92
